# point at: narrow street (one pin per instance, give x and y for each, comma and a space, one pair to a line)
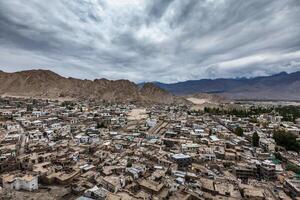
23, 141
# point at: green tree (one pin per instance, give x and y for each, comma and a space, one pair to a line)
293, 167
34, 102
255, 139
18, 105
29, 108
278, 155
286, 139
129, 164
100, 125
289, 113
239, 131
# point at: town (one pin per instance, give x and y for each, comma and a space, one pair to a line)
85, 150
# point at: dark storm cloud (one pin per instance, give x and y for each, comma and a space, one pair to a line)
157, 8
146, 40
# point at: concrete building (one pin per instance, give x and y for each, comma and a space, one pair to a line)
268, 170
182, 160
26, 182
245, 171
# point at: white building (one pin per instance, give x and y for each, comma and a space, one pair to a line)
189, 147
208, 157
13, 127
151, 122
200, 132
36, 135
267, 143
56, 126
26, 182
37, 113
37, 123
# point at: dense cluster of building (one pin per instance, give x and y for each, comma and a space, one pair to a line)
121, 151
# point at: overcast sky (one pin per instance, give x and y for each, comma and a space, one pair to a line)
151, 40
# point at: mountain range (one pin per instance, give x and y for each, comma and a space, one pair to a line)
282, 86
47, 84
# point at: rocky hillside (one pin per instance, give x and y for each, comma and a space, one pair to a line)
47, 84
153, 93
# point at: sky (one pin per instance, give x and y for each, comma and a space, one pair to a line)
151, 40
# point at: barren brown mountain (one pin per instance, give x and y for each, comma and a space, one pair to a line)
47, 84
153, 93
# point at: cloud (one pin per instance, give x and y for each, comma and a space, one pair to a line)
151, 40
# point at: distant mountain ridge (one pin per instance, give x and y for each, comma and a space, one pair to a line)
282, 86
47, 84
